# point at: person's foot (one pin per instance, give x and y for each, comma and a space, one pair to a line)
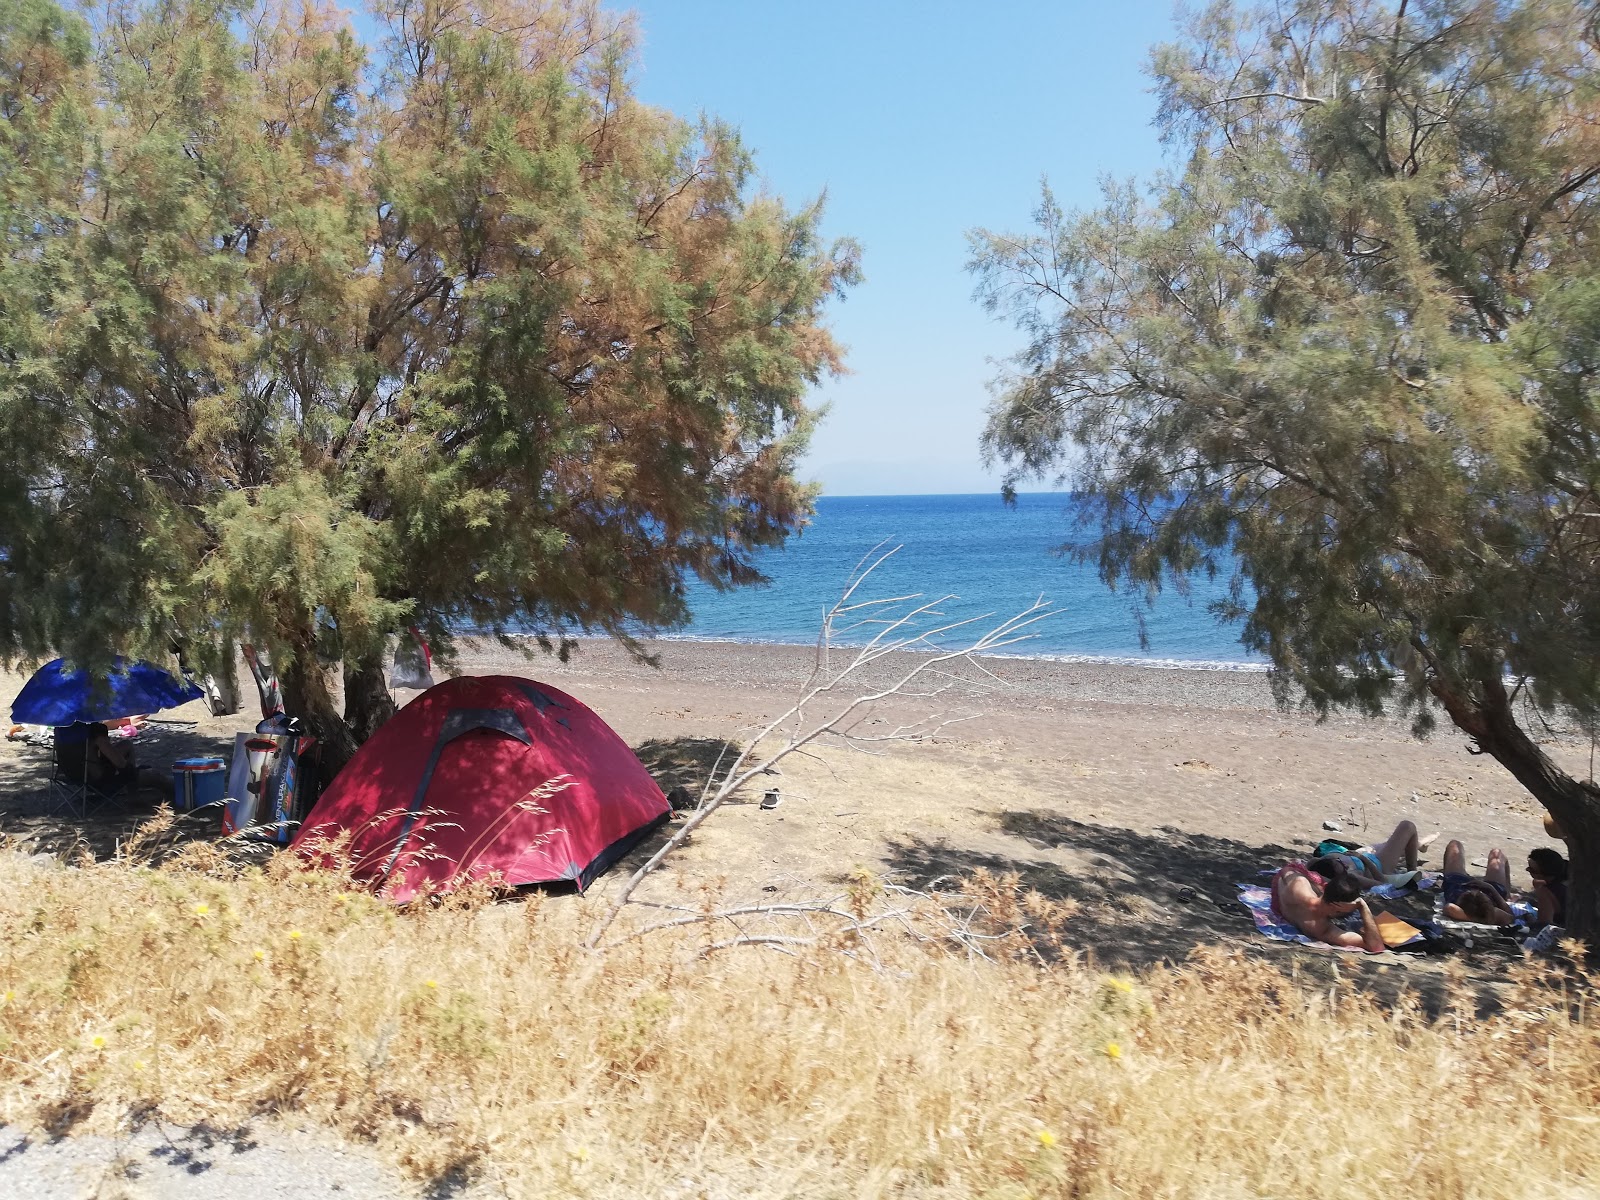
1422, 848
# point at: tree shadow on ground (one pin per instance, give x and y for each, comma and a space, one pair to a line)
38, 823
686, 762
1148, 899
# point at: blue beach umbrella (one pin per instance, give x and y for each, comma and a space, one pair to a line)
56, 696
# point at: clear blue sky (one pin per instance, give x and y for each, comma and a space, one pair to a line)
921, 120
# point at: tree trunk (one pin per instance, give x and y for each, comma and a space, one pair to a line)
1489, 720
306, 695
367, 703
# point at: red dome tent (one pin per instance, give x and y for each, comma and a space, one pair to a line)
487, 775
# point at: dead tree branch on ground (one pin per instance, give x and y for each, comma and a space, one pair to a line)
836, 702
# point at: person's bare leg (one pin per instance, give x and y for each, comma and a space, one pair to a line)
1399, 853
1499, 869
1455, 859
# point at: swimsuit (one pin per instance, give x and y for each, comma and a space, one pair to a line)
1363, 862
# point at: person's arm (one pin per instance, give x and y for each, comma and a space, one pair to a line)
1370, 937
1545, 901
117, 756
1502, 906
1496, 898
1334, 936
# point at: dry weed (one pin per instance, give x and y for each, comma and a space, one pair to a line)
952, 1051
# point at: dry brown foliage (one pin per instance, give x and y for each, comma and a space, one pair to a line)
953, 1049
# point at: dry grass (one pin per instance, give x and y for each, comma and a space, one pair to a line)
479, 1036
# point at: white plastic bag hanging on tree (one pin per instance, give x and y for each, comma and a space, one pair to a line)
413, 663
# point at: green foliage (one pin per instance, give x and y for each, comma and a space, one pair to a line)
1350, 342
307, 341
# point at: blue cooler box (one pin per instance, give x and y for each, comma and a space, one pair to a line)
197, 782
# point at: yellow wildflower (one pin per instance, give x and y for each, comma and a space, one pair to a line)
138, 1064
98, 1042
294, 935
258, 954
431, 983
1046, 1138
1113, 1050
201, 909
1122, 985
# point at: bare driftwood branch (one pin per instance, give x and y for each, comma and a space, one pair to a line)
1267, 96
835, 699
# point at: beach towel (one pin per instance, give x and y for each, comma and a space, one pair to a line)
1523, 912
1386, 891
1395, 932
1259, 901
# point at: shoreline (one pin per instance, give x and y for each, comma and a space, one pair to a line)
1014, 683
1009, 682
1246, 666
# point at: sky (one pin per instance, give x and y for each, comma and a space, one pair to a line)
920, 121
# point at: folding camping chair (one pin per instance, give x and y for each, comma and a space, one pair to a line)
70, 790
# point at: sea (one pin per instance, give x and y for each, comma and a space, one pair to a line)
992, 560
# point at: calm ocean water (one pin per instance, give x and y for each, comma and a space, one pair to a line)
993, 558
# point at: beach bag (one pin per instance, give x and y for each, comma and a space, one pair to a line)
1433, 939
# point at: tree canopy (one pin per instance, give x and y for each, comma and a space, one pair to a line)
305, 340
1348, 349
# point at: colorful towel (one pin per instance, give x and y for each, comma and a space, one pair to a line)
1386, 891
1259, 901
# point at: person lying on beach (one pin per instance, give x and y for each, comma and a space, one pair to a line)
1393, 861
1483, 901
1549, 871
1311, 901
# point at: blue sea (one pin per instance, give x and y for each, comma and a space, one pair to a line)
993, 558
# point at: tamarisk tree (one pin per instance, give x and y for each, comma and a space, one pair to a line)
1349, 350
308, 340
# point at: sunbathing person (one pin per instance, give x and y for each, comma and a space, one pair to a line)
87, 753
1311, 900
1393, 861
1549, 871
1483, 901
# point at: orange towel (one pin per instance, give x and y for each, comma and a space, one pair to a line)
1393, 930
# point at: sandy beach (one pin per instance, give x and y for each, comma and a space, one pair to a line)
1140, 796
1142, 793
